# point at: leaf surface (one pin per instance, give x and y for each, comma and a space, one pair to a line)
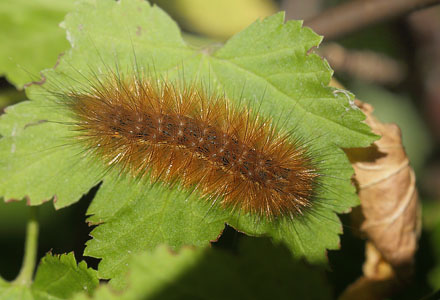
268, 65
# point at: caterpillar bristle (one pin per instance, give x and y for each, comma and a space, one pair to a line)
179, 133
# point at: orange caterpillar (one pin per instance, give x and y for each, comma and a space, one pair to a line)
183, 135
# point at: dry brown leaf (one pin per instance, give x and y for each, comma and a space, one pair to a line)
389, 199
390, 212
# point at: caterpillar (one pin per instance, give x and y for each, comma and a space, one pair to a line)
182, 134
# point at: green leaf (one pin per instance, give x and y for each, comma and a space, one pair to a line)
58, 277
267, 65
258, 271
31, 37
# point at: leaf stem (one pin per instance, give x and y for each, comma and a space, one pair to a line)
30, 249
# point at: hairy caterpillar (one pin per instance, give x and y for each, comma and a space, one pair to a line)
181, 134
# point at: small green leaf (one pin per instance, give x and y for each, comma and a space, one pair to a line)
31, 37
258, 271
58, 277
